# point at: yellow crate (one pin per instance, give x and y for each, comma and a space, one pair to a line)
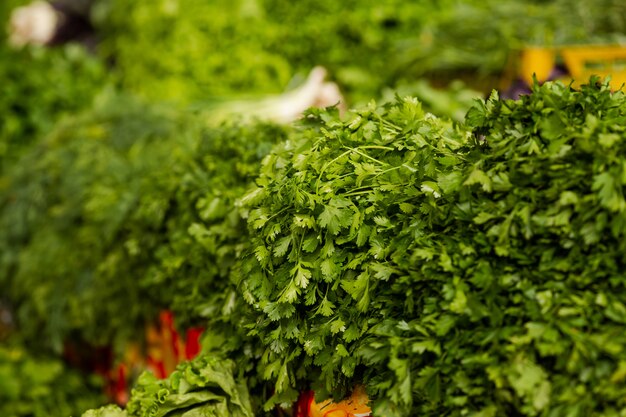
585, 61
581, 62
537, 61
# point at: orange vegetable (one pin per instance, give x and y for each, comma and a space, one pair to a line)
354, 406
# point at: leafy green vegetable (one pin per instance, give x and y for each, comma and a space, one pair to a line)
206, 386
106, 411
547, 230
136, 201
458, 270
332, 224
470, 271
67, 211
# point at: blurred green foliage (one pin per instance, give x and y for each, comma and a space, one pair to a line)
186, 50
40, 87
123, 211
66, 212
33, 386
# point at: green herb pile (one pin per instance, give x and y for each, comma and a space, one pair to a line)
334, 222
457, 271
68, 214
540, 318
137, 201
43, 386
57, 84
459, 264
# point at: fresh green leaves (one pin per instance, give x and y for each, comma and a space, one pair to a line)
548, 235
206, 386
344, 196
469, 269
459, 271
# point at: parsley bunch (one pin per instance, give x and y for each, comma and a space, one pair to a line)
332, 222
543, 311
473, 270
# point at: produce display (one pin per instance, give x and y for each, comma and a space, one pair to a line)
264, 208
347, 218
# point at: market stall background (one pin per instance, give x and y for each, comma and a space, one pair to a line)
151, 191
